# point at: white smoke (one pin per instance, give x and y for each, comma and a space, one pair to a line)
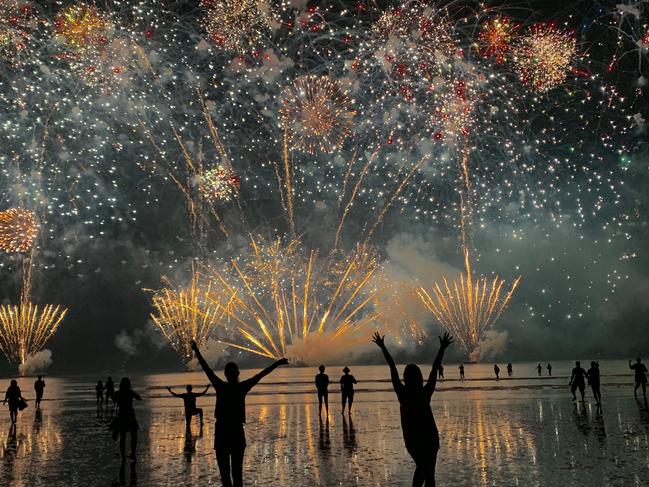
36, 362
126, 343
214, 353
129, 344
494, 343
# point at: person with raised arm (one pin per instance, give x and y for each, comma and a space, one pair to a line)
189, 400
230, 414
420, 433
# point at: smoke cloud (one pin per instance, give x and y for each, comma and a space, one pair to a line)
36, 362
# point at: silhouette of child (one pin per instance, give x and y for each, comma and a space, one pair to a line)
461, 367
230, 413
189, 400
497, 371
322, 384
420, 433
347, 382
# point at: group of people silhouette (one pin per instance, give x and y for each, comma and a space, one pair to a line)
414, 395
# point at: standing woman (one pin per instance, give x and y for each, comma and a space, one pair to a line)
14, 397
417, 422
126, 422
99, 391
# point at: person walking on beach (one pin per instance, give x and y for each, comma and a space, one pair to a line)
441, 372
510, 369
189, 400
539, 369
497, 371
39, 387
420, 433
230, 413
14, 397
110, 390
593, 380
322, 385
550, 369
578, 381
126, 421
99, 391
461, 367
347, 382
640, 377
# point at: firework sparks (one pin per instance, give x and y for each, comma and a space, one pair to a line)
468, 308
18, 230
187, 314
237, 25
218, 184
496, 37
544, 55
282, 304
15, 28
80, 26
317, 114
25, 328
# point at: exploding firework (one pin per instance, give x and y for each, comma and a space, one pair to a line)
317, 113
81, 26
543, 56
187, 313
468, 308
496, 37
238, 25
16, 24
18, 230
25, 328
283, 304
218, 184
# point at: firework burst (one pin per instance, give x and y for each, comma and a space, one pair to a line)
495, 39
218, 184
81, 26
468, 308
543, 56
25, 328
16, 24
18, 230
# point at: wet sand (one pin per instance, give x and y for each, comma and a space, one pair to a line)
522, 431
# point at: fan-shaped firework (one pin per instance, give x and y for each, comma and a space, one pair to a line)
238, 25
468, 308
25, 328
18, 230
543, 56
187, 313
317, 113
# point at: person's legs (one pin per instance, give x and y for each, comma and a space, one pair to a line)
573, 389
635, 391
320, 397
188, 420
326, 400
344, 397
582, 390
644, 390
418, 478
122, 443
223, 461
237, 468
350, 400
199, 411
133, 443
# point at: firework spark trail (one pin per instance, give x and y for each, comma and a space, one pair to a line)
468, 308
187, 313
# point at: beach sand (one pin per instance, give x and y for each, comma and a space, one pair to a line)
522, 431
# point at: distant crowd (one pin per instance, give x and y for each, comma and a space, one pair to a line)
420, 433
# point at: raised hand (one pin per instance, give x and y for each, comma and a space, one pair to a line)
194, 345
282, 361
379, 340
446, 340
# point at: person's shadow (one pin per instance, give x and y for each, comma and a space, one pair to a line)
325, 441
122, 475
349, 435
581, 418
190, 444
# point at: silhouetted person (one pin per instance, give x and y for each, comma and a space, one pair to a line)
110, 390
322, 385
550, 369
578, 381
593, 380
420, 433
189, 400
347, 382
230, 413
39, 387
510, 369
440, 372
14, 397
497, 371
539, 369
640, 377
126, 421
461, 367
99, 391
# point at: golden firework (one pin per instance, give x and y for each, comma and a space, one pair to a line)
25, 328
186, 314
496, 38
18, 230
544, 55
218, 184
468, 308
316, 111
81, 26
306, 308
